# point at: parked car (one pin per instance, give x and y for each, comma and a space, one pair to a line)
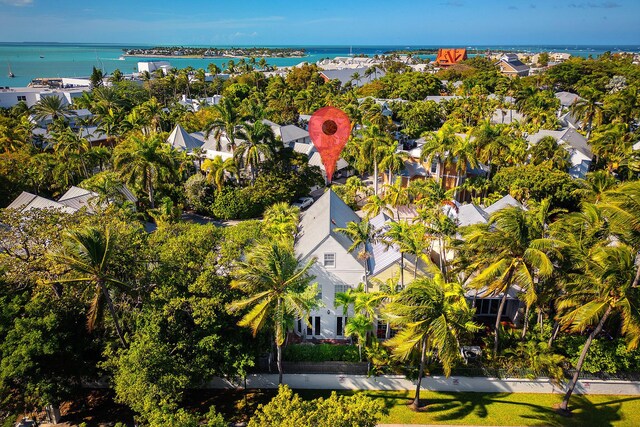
26, 422
303, 202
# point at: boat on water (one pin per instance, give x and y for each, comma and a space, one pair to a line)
11, 75
41, 56
122, 58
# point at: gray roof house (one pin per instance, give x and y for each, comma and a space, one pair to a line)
567, 99
336, 269
575, 143
183, 141
345, 74
510, 65
72, 201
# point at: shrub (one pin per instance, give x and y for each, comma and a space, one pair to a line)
234, 203
608, 356
320, 353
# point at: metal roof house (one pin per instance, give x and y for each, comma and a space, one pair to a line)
336, 269
183, 141
575, 143
511, 66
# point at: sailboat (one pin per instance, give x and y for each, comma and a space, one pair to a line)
11, 75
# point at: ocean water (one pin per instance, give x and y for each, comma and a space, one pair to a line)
32, 60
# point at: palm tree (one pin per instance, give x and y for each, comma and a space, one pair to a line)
281, 221
604, 289
432, 315
440, 226
508, 251
588, 109
373, 137
226, 122
397, 235
51, 106
217, 170
396, 195
392, 160
361, 235
258, 143
279, 289
375, 206
358, 326
87, 252
143, 160
439, 147
465, 153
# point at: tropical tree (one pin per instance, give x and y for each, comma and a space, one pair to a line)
143, 161
373, 138
432, 316
392, 160
51, 106
258, 143
439, 147
279, 288
88, 253
361, 235
217, 170
227, 119
281, 221
396, 195
376, 205
605, 289
588, 109
359, 326
509, 250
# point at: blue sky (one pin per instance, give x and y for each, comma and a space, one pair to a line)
326, 22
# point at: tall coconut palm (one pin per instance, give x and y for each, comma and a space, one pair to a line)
439, 147
588, 109
396, 195
143, 161
376, 205
228, 117
603, 290
361, 235
464, 153
258, 144
392, 160
87, 252
373, 137
440, 227
217, 170
432, 316
281, 221
279, 288
51, 106
507, 251
398, 235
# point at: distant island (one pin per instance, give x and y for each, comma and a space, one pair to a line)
214, 52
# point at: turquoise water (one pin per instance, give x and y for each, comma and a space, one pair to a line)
77, 60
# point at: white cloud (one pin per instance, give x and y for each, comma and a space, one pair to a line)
18, 3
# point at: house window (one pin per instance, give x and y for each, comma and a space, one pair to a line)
319, 294
341, 322
341, 289
329, 260
299, 326
434, 167
22, 98
313, 327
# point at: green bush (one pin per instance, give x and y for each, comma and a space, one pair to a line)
605, 355
234, 203
320, 353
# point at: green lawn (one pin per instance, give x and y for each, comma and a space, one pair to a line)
505, 409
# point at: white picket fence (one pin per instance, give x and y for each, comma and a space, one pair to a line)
454, 384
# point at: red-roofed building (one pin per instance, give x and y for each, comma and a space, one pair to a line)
448, 57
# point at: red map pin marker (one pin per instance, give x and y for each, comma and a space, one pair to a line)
329, 128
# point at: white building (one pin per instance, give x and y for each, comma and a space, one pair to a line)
576, 144
10, 97
336, 269
151, 67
